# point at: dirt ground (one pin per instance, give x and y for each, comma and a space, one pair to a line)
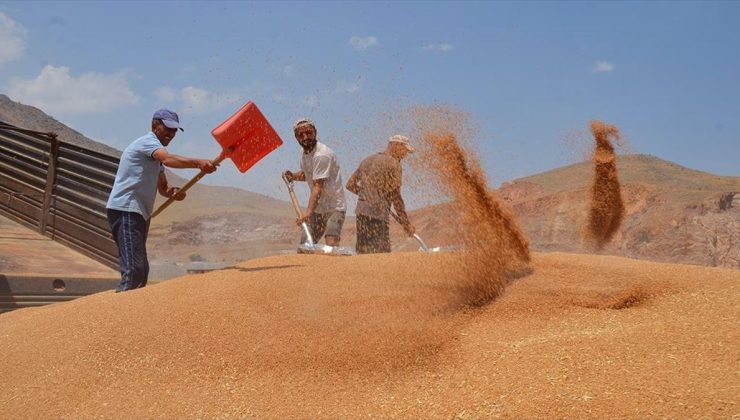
24, 252
385, 336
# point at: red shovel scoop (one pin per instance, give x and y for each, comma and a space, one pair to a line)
246, 137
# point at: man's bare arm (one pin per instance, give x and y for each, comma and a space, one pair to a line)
167, 190
313, 201
181, 162
162, 184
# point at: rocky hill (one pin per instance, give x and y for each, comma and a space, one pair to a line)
32, 118
674, 214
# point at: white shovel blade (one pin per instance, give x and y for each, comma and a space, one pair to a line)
325, 250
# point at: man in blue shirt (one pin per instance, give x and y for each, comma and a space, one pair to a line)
140, 175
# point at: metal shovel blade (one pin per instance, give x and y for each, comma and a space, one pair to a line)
313, 248
424, 247
325, 250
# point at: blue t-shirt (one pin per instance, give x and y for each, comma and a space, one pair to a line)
135, 187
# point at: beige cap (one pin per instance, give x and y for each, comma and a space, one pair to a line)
403, 140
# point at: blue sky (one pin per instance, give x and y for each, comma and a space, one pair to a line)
531, 75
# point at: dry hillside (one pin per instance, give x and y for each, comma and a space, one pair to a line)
673, 214
32, 118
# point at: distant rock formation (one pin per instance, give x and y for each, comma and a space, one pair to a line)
726, 201
672, 213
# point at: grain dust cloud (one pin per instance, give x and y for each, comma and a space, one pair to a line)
495, 244
607, 208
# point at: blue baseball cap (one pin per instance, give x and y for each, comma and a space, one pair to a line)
168, 118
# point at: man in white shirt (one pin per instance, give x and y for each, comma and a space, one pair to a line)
320, 169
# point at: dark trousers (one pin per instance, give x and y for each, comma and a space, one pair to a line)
373, 235
130, 231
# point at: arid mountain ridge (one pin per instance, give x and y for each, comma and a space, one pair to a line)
32, 118
674, 214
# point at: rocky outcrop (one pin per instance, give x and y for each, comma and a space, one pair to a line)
673, 214
727, 200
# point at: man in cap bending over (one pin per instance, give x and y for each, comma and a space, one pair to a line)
140, 175
320, 169
377, 182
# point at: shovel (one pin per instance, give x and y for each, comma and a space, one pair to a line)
310, 247
246, 137
423, 246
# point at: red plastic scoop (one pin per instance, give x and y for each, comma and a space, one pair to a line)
246, 137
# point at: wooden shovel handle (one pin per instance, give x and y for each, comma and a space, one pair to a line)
187, 186
293, 198
297, 208
296, 204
